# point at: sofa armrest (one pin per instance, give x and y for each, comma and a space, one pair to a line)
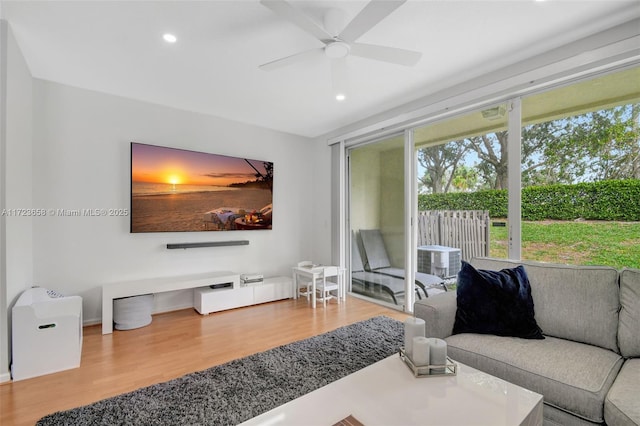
438, 313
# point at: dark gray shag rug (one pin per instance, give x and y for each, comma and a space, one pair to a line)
244, 388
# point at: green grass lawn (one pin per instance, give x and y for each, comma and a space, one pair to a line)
614, 244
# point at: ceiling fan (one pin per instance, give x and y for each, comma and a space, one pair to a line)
340, 41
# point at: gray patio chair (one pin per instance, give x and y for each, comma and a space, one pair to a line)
378, 262
374, 284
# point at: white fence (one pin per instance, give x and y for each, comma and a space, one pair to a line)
467, 230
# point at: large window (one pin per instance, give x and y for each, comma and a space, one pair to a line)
553, 176
581, 172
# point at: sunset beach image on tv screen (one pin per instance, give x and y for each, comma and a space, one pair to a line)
176, 190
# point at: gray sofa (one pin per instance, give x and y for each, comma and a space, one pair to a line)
588, 366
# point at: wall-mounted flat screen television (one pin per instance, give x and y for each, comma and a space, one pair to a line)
177, 190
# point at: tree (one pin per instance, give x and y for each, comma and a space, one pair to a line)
440, 163
599, 145
549, 155
492, 150
465, 178
611, 138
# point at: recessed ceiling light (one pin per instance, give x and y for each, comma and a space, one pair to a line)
340, 97
169, 38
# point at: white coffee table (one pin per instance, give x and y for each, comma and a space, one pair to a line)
387, 393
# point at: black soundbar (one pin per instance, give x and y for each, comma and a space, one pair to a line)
208, 244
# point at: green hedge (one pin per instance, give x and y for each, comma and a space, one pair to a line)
605, 200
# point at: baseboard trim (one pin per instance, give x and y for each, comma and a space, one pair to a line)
90, 322
172, 308
5, 377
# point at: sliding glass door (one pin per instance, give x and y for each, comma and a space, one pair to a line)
550, 176
376, 220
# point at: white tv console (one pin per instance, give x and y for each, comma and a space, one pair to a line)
158, 285
207, 300
212, 300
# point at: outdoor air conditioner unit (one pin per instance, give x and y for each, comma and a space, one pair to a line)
439, 260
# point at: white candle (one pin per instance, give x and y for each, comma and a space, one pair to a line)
413, 327
437, 354
420, 351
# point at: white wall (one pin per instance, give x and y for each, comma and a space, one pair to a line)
81, 160
16, 245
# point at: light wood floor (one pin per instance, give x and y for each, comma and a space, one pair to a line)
175, 344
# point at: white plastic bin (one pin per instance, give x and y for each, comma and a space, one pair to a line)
46, 333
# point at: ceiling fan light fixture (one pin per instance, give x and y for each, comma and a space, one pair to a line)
337, 50
169, 38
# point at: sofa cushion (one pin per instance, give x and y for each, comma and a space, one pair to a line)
629, 328
578, 303
553, 416
572, 376
495, 302
622, 406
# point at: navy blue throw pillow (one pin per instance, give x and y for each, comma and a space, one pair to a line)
495, 302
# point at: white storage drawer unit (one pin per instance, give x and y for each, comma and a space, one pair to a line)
46, 333
276, 288
207, 300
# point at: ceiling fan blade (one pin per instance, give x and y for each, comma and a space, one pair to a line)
339, 76
393, 55
293, 15
288, 60
374, 12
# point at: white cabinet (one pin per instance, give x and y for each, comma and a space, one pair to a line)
207, 300
271, 289
47, 333
283, 287
263, 293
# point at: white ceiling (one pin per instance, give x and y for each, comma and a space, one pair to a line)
116, 47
